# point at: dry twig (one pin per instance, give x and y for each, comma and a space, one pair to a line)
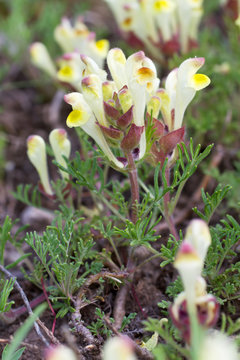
26, 302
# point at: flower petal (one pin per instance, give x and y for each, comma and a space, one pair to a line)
116, 61
199, 81
92, 92
77, 118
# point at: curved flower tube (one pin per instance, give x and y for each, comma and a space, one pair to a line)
36, 151
180, 88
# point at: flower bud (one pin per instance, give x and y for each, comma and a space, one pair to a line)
125, 99
118, 348
153, 106
36, 151
41, 58
199, 236
189, 266
61, 147
59, 352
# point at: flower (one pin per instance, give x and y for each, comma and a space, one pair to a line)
59, 352
61, 147
189, 262
118, 348
112, 112
217, 346
180, 88
41, 58
170, 25
36, 151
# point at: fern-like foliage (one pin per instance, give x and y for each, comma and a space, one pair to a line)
185, 166
222, 264
28, 196
6, 287
140, 233
62, 250
211, 202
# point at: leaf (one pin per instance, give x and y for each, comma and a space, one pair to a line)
151, 343
21, 333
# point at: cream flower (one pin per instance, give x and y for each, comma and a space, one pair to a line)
59, 352
180, 88
36, 151
217, 346
41, 58
118, 348
61, 147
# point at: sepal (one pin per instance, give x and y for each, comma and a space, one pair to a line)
132, 139
125, 120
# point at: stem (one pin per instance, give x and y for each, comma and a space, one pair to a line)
197, 333
49, 304
150, 259
166, 202
177, 196
110, 206
133, 177
115, 250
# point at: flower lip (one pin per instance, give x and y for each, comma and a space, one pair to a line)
199, 81
77, 118
144, 74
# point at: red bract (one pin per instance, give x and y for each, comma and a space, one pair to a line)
207, 313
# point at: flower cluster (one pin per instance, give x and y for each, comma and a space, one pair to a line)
74, 41
189, 262
169, 25
113, 111
36, 151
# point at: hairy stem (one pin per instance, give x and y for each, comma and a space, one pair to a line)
133, 177
166, 202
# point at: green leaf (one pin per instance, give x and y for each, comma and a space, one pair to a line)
21, 333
